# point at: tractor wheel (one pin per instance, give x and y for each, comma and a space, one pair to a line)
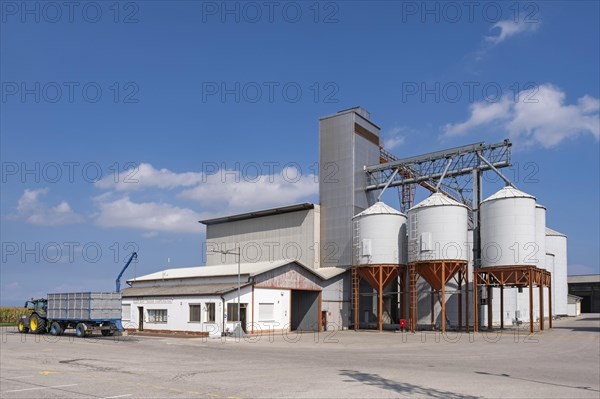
81, 330
56, 329
37, 325
22, 327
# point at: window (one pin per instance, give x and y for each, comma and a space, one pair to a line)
232, 313
126, 312
195, 313
210, 312
157, 315
266, 312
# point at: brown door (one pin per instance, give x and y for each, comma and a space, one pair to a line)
140, 318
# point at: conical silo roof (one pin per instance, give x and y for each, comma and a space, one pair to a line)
379, 208
507, 192
437, 199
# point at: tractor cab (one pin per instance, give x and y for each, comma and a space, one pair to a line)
38, 306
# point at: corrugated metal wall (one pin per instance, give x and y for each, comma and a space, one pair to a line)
270, 238
348, 141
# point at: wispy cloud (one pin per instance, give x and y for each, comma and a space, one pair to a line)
506, 29
146, 176
540, 116
394, 138
31, 209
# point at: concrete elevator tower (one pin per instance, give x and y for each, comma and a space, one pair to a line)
348, 141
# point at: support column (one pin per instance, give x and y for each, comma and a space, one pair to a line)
356, 297
550, 303
541, 288
459, 288
443, 297
403, 295
467, 297
475, 313
530, 302
380, 300
489, 306
432, 307
412, 281
501, 306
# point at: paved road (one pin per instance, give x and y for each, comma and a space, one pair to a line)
563, 362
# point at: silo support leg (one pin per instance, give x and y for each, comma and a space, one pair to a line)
467, 298
475, 312
501, 307
489, 306
530, 303
443, 298
541, 288
460, 303
550, 304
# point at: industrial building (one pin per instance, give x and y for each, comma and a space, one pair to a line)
451, 261
587, 288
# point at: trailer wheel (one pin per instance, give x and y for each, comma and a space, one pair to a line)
81, 330
22, 327
107, 333
37, 325
56, 329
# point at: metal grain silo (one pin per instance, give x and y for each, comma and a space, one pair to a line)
556, 244
540, 236
508, 227
438, 230
380, 236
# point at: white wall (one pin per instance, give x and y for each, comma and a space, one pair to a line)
281, 299
178, 311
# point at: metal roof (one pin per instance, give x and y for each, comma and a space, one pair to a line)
507, 192
182, 290
585, 278
246, 269
437, 199
261, 213
379, 208
550, 232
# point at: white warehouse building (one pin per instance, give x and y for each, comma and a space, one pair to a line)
281, 289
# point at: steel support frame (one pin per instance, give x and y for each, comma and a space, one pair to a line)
438, 274
379, 277
513, 276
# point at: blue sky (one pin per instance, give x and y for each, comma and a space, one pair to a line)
181, 89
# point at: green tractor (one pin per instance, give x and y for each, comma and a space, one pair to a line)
36, 321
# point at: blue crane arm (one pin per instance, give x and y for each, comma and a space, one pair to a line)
118, 281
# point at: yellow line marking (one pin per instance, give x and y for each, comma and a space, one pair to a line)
48, 372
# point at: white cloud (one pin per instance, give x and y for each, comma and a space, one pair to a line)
394, 139
509, 28
539, 116
33, 211
481, 113
150, 216
146, 176
227, 193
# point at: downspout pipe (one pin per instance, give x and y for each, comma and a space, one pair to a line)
223, 318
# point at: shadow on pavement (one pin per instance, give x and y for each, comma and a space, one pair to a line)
399, 387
